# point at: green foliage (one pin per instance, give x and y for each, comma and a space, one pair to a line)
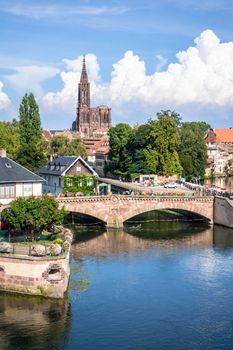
32, 144
58, 241
163, 141
164, 146
119, 138
192, 149
33, 215
63, 146
79, 183
9, 138
137, 143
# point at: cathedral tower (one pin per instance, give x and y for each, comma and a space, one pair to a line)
89, 120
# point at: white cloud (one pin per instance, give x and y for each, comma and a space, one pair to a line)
50, 11
202, 76
29, 78
5, 102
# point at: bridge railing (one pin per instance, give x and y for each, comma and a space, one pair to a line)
135, 197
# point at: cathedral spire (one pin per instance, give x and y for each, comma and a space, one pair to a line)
84, 77
84, 87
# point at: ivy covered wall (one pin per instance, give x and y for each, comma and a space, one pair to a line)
79, 183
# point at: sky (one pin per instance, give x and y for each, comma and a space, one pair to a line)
141, 57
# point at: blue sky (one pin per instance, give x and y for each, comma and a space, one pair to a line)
141, 57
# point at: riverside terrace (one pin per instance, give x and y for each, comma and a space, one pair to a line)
35, 269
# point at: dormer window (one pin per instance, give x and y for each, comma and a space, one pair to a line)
8, 165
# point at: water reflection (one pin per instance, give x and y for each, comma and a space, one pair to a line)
174, 292
33, 323
223, 236
167, 235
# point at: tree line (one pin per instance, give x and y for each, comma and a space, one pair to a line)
163, 146
24, 139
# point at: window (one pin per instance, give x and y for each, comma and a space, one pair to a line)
78, 169
90, 182
27, 190
69, 181
100, 164
7, 191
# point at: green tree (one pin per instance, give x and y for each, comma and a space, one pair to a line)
33, 215
9, 138
136, 146
77, 148
192, 149
63, 146
161, 152
32, 144
119, 155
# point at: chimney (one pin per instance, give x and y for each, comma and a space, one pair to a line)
2, 152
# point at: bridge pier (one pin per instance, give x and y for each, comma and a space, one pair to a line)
115, 221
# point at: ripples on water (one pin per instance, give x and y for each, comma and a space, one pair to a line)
165, 286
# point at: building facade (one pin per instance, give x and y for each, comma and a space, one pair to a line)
17, 181
89, 119
68, 174
219, 143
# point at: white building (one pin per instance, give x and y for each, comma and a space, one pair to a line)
17, 181
219, 143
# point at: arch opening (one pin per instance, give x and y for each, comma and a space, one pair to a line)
167, 214
81, 219
166, 224
85, 227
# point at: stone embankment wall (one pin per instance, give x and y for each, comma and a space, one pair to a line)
223, 212
46, 276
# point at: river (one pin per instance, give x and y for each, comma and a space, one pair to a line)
157, 286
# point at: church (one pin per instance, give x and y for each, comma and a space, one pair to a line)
89, 120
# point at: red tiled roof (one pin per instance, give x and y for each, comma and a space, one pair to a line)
47, 134
224, 135
94, 145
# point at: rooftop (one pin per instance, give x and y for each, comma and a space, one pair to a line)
60, 165
224, 135
12, 172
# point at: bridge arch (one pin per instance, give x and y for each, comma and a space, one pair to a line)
194, 209
115, 210
89, 209
177, 213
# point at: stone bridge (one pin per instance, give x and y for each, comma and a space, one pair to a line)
116, 209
